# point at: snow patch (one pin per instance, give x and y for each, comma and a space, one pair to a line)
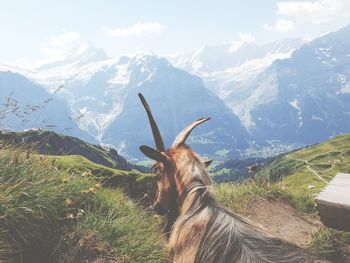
344, 90
122, 76
295, 104
341, 79
316, 118
345, 85
143, 81
98, 122
262, 95
121, 147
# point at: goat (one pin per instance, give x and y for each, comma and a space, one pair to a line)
198, 229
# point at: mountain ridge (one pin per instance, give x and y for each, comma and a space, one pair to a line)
280, 91
51, 143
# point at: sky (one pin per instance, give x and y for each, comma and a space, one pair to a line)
36, 31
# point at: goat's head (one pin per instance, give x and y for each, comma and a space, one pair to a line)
171, 164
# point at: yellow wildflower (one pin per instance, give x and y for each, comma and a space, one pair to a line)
69, 202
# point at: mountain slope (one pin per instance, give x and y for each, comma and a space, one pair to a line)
294, 91
232, 54
227, 69
307, 170
177, 98
103, 93
285, 190
305, 98
51, 143
27, 105
87, 82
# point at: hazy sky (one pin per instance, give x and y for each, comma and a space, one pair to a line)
33, 30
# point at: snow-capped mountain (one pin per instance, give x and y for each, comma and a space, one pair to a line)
232, 54
103, 92
92, 84
74, 70
26, 105
295, 91
305, 98
227, 69
177, 98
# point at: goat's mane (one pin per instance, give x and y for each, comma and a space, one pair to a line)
243, 241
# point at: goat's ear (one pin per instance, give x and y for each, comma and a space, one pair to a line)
153, 154
207, 163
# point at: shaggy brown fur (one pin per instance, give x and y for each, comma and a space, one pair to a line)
198, 229
206, 232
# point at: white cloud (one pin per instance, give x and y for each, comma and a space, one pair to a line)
62, 46
242, 39
139, 29
315, 12
281, 26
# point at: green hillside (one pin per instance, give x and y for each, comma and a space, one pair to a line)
135, 184
308, 170
297, 178
62, 211
52, 143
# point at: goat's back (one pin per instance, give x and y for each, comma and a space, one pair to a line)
212, 234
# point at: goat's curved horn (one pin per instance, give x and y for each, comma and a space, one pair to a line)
155, 131
183, 135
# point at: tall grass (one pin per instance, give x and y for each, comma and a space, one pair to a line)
45, 214
32, 201
131, 233
331, 244
238, 197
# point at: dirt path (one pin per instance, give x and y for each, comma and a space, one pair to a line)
315, 173
283, 221
308, 167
